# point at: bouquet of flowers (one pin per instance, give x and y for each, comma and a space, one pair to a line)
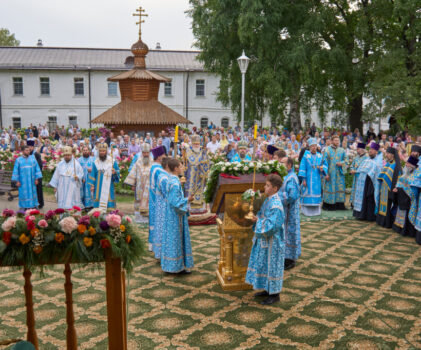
32, 238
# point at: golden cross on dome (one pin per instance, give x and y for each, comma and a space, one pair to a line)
139, 13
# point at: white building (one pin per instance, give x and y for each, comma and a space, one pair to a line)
54, 85
57, 85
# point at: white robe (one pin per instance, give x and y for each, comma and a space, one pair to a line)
68, 189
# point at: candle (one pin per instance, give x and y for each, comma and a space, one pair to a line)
255, 131
176, 134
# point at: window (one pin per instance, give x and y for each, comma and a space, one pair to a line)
225, 122
200, 87
112, 88
168, 89
72, 120
52, 123
45, 86
16, 123
18, 86
79, 86
204, 122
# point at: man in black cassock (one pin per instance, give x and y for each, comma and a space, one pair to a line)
387, 182
404, 196
37, 156
366, 186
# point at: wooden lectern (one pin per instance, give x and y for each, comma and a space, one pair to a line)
235, 231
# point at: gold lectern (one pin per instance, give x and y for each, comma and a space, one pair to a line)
234, 229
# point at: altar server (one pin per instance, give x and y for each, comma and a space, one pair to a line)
266, 265
361, 156
26, 174
290, 195
176, 252
67, 181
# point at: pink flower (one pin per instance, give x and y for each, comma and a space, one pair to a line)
76, 208
68, 224
9, 223
113, 220
129, 219
96, 214
43, 223
30, 218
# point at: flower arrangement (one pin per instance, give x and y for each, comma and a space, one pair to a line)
240, 168
32, 238
250, 195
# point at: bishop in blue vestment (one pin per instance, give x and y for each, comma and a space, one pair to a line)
176, 252
312, 168
290, 195
26, 173
266, 265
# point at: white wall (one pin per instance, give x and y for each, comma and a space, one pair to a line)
34, 108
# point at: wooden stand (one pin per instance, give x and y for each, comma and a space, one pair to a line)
235, 230
116, 306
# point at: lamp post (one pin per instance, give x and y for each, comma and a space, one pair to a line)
243, 62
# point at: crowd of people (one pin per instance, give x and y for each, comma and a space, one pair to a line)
168, 174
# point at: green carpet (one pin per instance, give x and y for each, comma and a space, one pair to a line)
356, 286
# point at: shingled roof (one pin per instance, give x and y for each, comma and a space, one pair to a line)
140, 113
66, 58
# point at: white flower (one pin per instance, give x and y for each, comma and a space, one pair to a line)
246, 168
227, 163
223, 168
271, 161
252, 164
236, 168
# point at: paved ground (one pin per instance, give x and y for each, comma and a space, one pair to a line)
356, 286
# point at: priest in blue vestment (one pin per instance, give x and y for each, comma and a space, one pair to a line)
361, 156
334, 184
86, 162
290, 195
266, 265
312, 168
241, 155
67, 181
26, 173
365, 202
404, 197
155, 196
387, 179
176, 251
415, 218
104, 174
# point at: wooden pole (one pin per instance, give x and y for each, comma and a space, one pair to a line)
71, 338
116, 308
30, 318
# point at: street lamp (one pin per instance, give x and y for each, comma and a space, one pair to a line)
243, 62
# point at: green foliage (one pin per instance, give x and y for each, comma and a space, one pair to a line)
7, 39
239, 168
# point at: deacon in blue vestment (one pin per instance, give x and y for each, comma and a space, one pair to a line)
176, 252
334, 184
26, 173
266, 265
387, 182
67, 181
290, 194
404, 197
361, 156
105, 173
415, 218
312, 168
155, 196
365, 202
241, 155
86, 162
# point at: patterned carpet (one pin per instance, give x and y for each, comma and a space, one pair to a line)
357, 286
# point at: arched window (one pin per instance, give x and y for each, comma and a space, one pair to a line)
225, 122
204, 122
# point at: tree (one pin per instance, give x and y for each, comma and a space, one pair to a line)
270, 32
398, 72
7, 39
